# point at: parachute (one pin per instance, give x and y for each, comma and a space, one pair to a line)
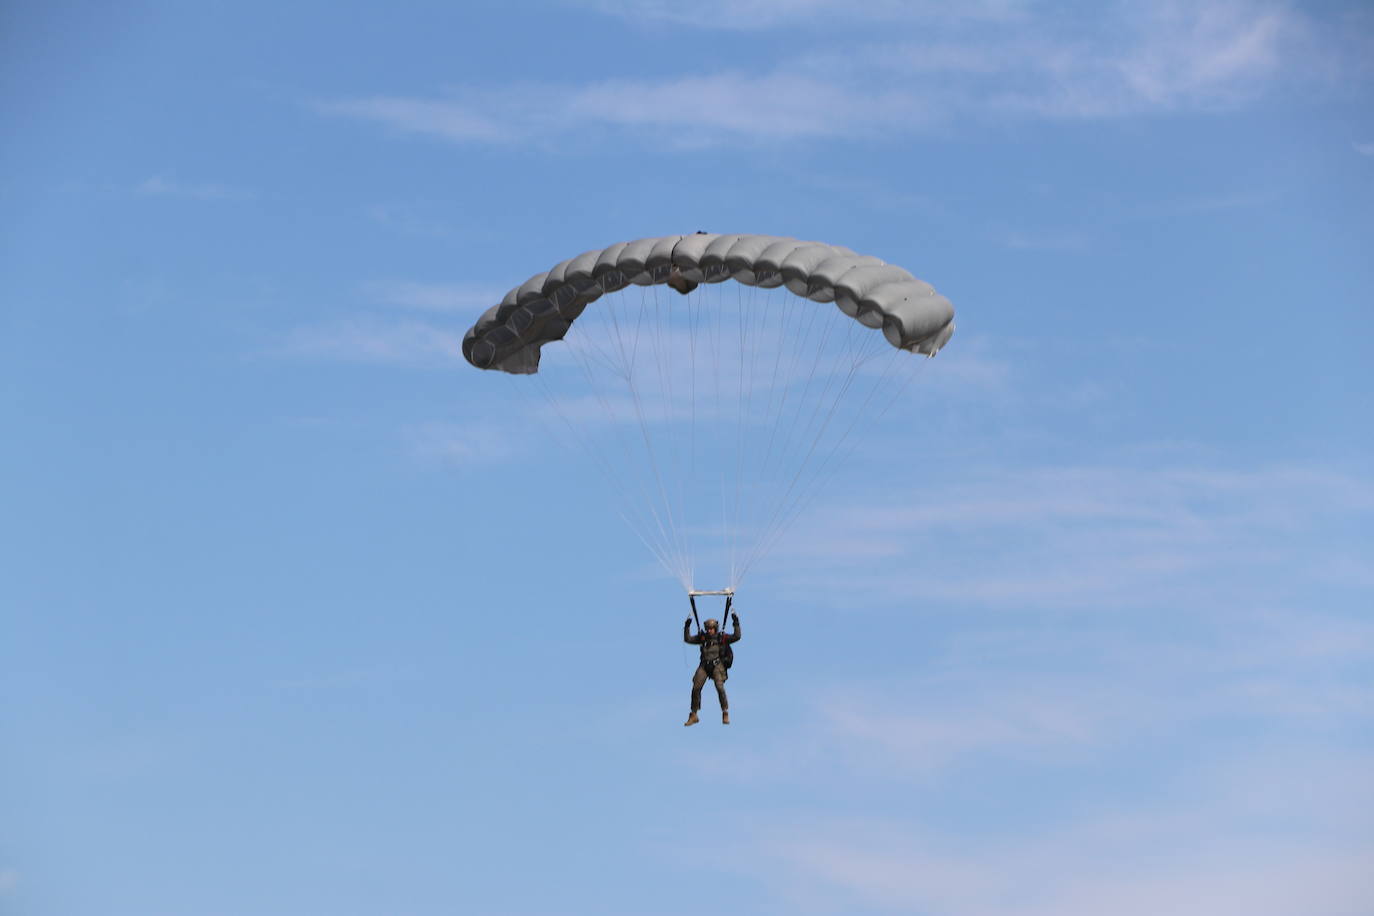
716, 418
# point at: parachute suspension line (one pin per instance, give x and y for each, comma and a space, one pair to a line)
814, 441
821, 478
664, 528
740, 416
668, 550
784, 312
795, 433
679, 552
663, 359
717, 339
617, 483
828, 467
855, 347
798, 343
798, 435
802, 388
772, 414
750, 315
691, 301
604, 466
818, 485
663, 352
751, 475
760, 485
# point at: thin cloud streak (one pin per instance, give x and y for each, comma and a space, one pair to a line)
1266, 811
458, 444
451, 120
1159, 59
1191, 863
748, 15
160, 186
1092, 537
1003, 695
364, 340
430, 297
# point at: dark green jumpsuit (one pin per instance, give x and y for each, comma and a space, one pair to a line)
710, 666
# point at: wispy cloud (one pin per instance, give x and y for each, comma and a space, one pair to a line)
367, 340
432, 297
992, 61
1196, 863
9, 880
412, 220
1364, 149
1092, 537
766, 14
454, 443
684, 112
1207, 55
1241, 798
1008, 694
161, 186
453, 120
1046, 241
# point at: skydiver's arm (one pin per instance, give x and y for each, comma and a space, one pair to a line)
687, 636
734, 622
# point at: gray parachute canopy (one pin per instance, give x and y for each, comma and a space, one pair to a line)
910, 313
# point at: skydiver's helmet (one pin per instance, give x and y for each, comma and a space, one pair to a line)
711, 625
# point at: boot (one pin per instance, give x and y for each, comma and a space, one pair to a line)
725, 717
692, 719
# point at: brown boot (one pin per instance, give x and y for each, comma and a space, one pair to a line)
725, 717
692, 719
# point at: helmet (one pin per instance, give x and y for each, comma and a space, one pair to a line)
711, 624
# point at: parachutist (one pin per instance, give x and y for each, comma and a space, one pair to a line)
716, 659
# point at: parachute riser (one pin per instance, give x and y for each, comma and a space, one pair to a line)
693, 594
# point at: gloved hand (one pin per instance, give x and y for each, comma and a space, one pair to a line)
687, 622
734, 618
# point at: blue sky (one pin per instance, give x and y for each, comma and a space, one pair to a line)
298, 616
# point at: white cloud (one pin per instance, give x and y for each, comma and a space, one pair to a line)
684, 112
9, 880
1089, 537
453, 443
1207, 54
1046, 241
1364, 149
161, 186
1176, 789
1172, 816
765, 14
439, 297
448, 119
367, 340
1100, 696
1186, 864
412, 220
994, 63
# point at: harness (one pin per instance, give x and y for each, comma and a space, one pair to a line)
725, 655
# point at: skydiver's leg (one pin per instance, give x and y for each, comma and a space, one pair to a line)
698, 681
719, 675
